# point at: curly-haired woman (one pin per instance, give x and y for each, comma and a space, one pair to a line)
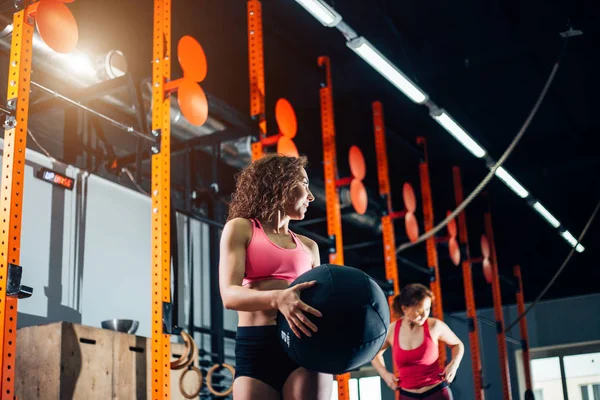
260, 257
414, 341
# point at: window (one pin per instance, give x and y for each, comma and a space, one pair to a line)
538, 394
366, 388
590, 392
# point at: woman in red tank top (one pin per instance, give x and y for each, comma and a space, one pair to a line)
414, 340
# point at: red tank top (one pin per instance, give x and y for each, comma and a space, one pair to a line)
266, 260
418, 367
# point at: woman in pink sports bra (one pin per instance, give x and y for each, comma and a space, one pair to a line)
414, 341
259, 258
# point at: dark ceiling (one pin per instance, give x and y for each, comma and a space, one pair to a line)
485, 62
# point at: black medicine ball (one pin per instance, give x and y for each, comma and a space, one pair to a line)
353, 327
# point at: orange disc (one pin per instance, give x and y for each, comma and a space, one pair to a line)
192, 59
487, 270
451, 226
412, 227
287, 147
408, 195
357, 163
358, 196
485, 247
454, 251
57, 26
286, 118
192, 101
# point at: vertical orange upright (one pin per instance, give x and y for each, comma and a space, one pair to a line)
256, 73
463, 238
523, 328
334, 217
387, 225
432, 256
161, 184
502, 352
11, 201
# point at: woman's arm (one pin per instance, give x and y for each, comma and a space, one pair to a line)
232, 265
379, 363
446, 335
313, 248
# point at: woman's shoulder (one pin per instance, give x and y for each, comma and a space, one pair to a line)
239, 226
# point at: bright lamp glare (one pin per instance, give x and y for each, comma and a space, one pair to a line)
322, 12
459, 134
546, 214
368, 53
511, 183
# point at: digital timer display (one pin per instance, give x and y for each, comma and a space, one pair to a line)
56, 178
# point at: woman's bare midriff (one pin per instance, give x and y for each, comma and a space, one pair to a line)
261, 318
422, 389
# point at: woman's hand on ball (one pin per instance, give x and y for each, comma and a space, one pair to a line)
293, 309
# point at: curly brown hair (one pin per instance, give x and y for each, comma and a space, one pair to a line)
409, 296
265, 186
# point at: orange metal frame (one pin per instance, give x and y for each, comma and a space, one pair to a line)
334, 218
11, 201
432, 256
161, 184
502, 352
387, 224
463, 238
257, 73
523, 328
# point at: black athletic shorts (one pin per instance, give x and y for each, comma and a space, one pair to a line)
259, 355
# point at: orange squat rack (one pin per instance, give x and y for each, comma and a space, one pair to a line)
13, 168
334, 218
469, 294
502, 352
387, 223
432, 256
256, 73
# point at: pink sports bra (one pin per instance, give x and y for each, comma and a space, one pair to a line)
266, 260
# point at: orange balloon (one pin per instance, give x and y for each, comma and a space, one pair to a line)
192, 102
412, 227
287, 147
357, 163
57, 26
485, 247
358, 196
286, 118
454, 251
451, 226
408, 195
192, 59
487, 270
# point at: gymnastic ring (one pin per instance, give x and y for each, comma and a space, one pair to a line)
193, 351
186, 356
182, 389
209, 375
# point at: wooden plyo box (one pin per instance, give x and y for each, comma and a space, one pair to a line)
65, 361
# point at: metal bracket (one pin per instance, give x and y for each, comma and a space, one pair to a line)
332, 244
155, 149
14, 287
168, 327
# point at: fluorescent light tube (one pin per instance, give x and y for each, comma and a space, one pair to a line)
459, 134
321, 11
572, 241
364, 49
546, 214
511, 183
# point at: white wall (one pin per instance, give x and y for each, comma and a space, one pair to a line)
86, 253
